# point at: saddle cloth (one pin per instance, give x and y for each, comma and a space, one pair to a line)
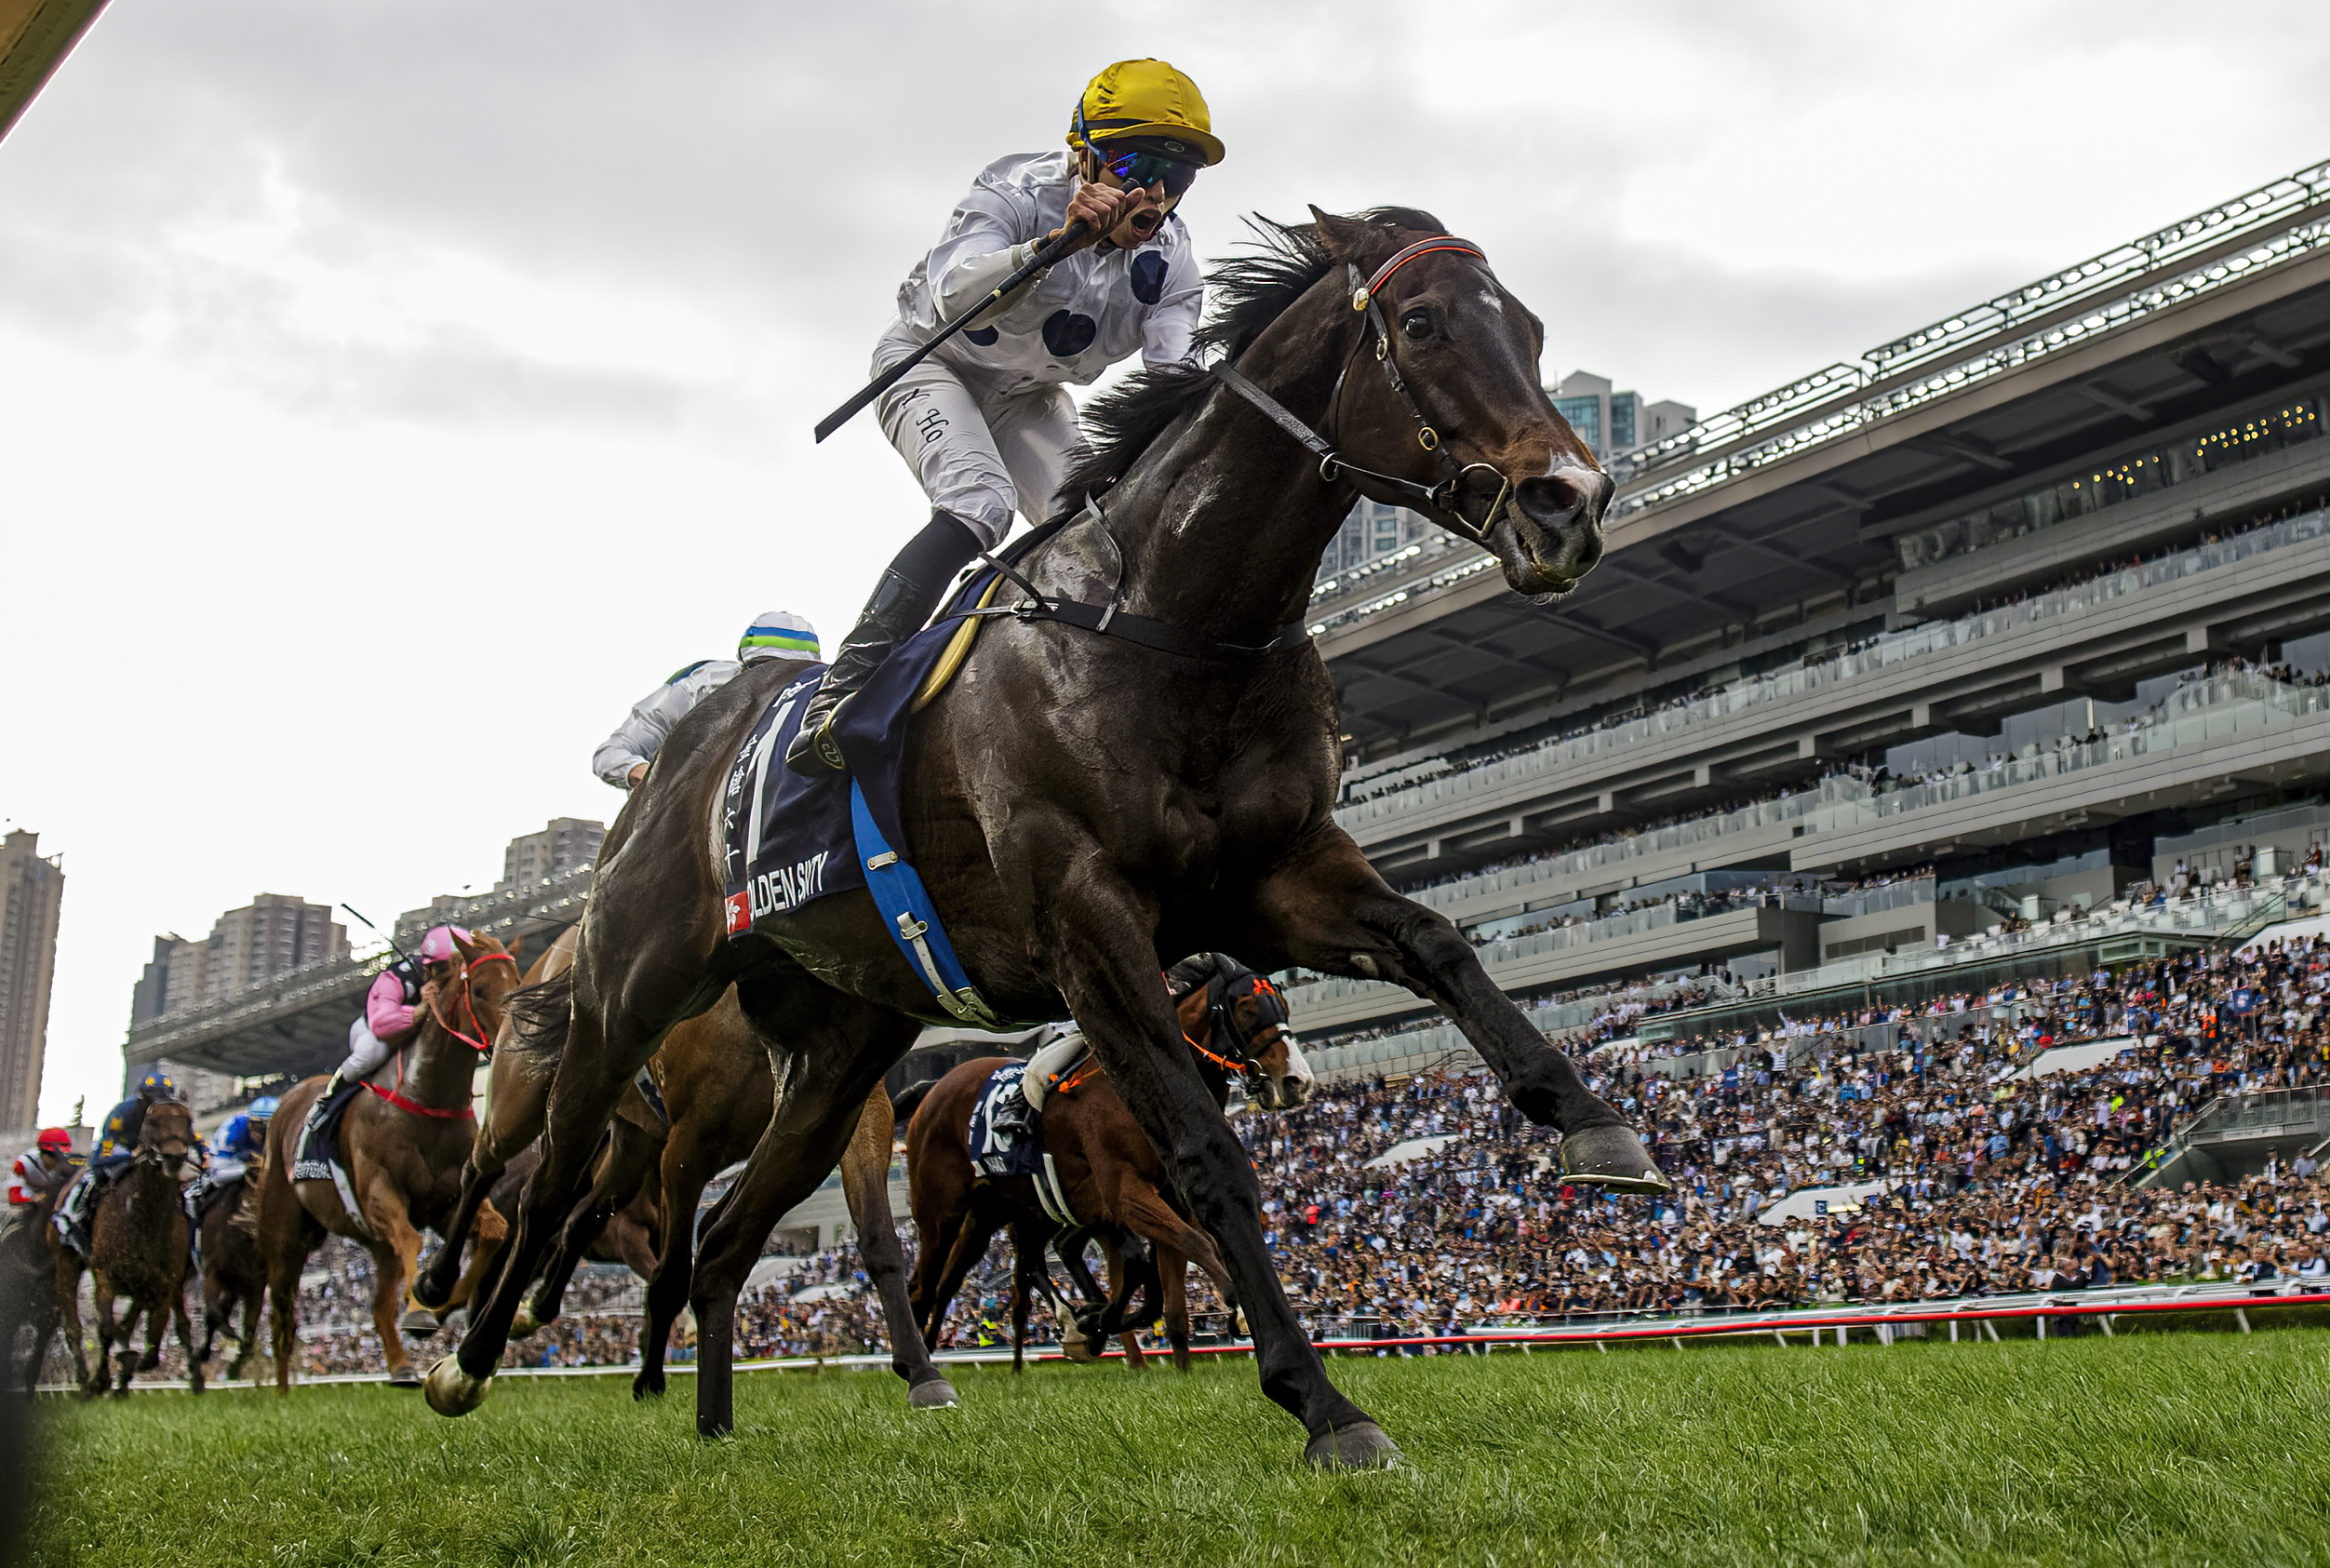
1006, 1132
316, 1157
789, 838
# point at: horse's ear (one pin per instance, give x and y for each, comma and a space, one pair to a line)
468, 950
1344, 236
517, 949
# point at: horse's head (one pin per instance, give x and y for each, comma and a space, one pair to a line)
473, 987
1442, 388
167, 1138
1238, 1019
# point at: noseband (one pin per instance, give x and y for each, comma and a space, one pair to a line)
1444, 498
1221, 1007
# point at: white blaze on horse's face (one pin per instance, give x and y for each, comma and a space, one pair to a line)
1293, 1084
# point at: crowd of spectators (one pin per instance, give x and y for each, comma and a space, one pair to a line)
1410, 1207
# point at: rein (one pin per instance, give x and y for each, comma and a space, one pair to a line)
1442, 498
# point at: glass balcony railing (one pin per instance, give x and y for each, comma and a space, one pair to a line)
1883, 653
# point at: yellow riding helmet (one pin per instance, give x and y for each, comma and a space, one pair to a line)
1148, 100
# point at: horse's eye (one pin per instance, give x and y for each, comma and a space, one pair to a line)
1416, 324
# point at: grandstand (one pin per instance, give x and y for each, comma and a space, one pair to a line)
1993, 651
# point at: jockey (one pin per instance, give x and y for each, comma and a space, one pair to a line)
116, 1145
388, 1021
41, 1168
242, 1140
622, 758
986, 422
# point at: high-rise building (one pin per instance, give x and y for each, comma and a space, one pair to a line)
565, 844
31, 892
273, 933
1614, 424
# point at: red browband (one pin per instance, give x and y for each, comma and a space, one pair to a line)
1421, 247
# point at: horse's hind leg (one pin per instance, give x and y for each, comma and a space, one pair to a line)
185, 1336
1172, 1273
686, 1170
631, 1154
1329, 909
839, 1047
865, 1183
432, 1287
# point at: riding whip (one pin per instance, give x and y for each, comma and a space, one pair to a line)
1051, 252
377, 932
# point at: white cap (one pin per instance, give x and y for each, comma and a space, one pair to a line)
778, 633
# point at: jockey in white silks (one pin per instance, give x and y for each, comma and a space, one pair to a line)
622, 757
986, 422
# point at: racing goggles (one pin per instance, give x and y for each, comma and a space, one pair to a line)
1142, 169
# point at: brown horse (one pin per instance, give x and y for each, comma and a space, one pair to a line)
1108, 1171
138, 1248
1144, 763
404, 1145
712, 1073
233, 1269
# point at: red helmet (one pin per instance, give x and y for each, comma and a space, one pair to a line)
56, 1140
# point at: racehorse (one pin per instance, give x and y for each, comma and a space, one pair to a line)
713, 1076
233, 1271
403, 1145
138, 1248
1108, 1173
1140, 758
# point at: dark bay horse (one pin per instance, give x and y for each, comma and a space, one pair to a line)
138, 1248
1082, 805
1108, 1171
233, 1268
405, 1145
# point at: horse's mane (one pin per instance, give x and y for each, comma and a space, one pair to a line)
1247, 294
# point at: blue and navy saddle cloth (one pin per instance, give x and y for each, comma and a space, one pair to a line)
1006, 1135
791, 840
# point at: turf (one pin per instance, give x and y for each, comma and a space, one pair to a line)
2180, 1449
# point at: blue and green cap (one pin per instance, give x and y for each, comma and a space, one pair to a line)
778, 633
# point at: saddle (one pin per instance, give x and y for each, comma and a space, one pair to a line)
1006, 1134
1050, 1068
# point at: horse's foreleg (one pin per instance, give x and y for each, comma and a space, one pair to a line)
1124, 1281
247, 1344
1024, 1263
866, 1184
838, 1052
1106, 967
435, 1288
66, 1300
1329, 909
395, 1258
186, 1337
631, 1153
101, 1299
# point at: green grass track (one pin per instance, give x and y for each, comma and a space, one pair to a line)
2184, 1449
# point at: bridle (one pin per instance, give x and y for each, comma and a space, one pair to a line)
1445, 498
479, 1042
1223, 989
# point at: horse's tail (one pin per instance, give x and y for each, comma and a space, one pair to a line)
542, 1016
903, 1104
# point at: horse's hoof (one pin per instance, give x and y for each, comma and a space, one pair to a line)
1610, 1157
1079, 1348
405, 1376
419, 1323
1360, 1447
644, 1387
935, 1394
525, 1323
452, 1391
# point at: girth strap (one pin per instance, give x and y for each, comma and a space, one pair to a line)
1108, 621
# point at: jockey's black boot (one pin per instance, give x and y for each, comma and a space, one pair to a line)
315, 1115
908, 591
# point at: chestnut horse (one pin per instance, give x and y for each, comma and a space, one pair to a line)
1139, 762
404, 1145
1235, 1022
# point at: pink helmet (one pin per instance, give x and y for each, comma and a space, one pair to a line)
437, 945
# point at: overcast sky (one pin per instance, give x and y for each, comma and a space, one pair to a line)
392, 393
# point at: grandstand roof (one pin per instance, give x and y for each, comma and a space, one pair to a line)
1767, 520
